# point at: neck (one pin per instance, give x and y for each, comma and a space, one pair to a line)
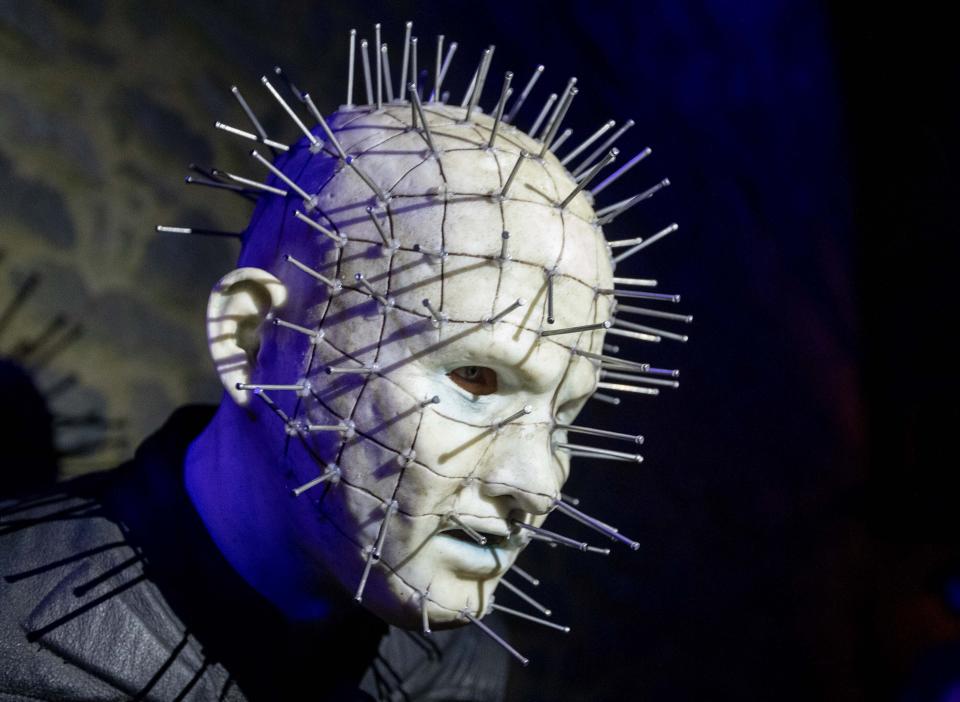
234, 476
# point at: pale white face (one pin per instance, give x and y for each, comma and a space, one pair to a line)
450, 457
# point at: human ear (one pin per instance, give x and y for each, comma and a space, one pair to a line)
236, 310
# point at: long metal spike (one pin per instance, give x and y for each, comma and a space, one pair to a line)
605, 398
379, 83
554, 122
324, 126
451, 50
331, 473
619, 387
578, 429
358, 597
493, 635
639, 336
607, 126
513, 173
552, 536
646, 312
268, 401
637, 295
596, 153
641, 245
481, 80
635, 200
600, 452
552, 131
525, 575
527, 409
561, 140
468, 530
251, 136
439, 318
525, 597
310, 202
519, 302
531, 618
683, 338
573, 330
438, 71
387, 75
611, 360
338, 239
298, 388
595, 524
636, 282
250, 115
198, 230
352, 60
608, 159
289, 110
424, 616
255, 184
620, 171
616, 375
376, 223
504, 92
550, 318
414, 72
335, 286
408, 28
367, 80
543, 113
315, 335
537, 72
418, 107
382, 536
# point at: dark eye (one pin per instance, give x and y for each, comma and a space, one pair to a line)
478, 380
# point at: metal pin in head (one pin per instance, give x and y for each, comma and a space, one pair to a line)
595, 452
465, 614
467, 529
513, 174
596, 153
331, 473
365, 369
309, 201
439, 254
608, 159
251, 136
338, 239
368, 81
525, 575
529, 618
347, 428
385, 301
435, 400
289, 110
504, 238
388, 77
519, 302
334, 285
607, 126
620, 171
543, 114
198, 230
418, 111
315, 335
537, 72
439, 318
382, 536
550, 318
368, 551
377, 44
498, 115
424, 616
249, 113
389, 244
527, 409
561, 140
481, 77
525, 597
573, 330
351, 60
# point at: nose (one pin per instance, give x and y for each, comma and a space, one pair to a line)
519, 471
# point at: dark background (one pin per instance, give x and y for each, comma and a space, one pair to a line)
796, 506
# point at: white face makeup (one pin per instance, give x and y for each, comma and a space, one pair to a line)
420, 392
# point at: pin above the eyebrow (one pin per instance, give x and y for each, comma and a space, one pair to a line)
439, 318
573, 330
332, 474
519, 302
465, 614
